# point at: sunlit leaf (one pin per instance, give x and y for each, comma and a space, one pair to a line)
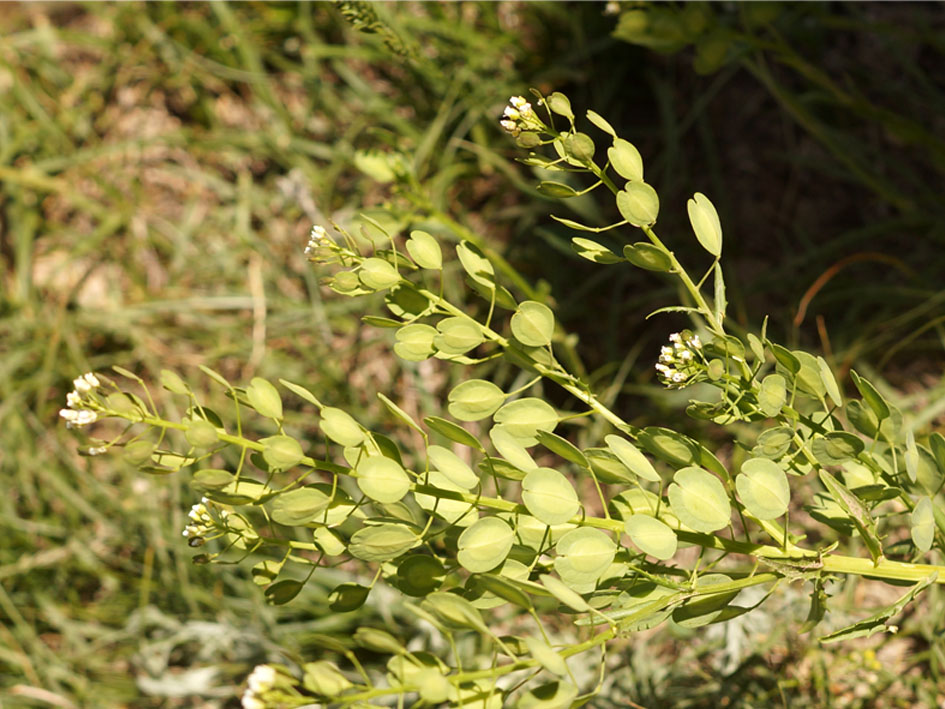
699, 499
484, 545
651, 536
763, 488
549, 496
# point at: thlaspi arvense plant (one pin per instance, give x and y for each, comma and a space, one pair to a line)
485, 520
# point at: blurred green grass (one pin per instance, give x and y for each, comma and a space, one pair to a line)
160, 166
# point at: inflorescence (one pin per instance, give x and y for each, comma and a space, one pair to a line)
78, 414
261, 680
202, 521
679, 361
519, 115
316, 239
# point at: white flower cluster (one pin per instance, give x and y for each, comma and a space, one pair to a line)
77, 415
261, 680
202, 522
319, 237
518, 116
676, 365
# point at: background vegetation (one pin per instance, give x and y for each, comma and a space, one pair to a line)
162, 163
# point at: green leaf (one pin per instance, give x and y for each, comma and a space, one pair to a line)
592, 251
562, 447
583, 555
698, 498
456, 512
608, 468
281, 452
721, 303
301, 392
476, 264
382, 479
638, 203
556, 189
526, 416
264, 397
862, 417
406, 302
911, 456
560, 104
648, 256
453, 467
340, 427
555, 695
772, 395
549, 496
327, 540
452, 431
565, 595
675, 448
419, 575
856, 511
425, 250
651, 536
382, 542
457, 335
484, 545
785, 358
200, 433
347, 597
705, 223
876, 623
873, 398
763, 488
299, 507
505, 589
580, 148
455, 611
212, 479
830, 382
599, 121
707, 606
323, 677
808, 378
378, 274
400, 413
281, 592
533, 324
546, 657
626, 160
836, 447
377, 640
923, 524
511, 447
474, 400
173, 383
490, 467
415, 342
631, 456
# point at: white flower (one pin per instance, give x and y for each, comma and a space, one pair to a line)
678, 377
262, 679
675, 338
318, 237
251, 701
686, 355
97, 451
695, 342
511, 113
73, 399
91, 379
518, 102
510, 126
81, 385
